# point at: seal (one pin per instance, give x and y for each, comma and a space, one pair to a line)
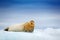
25, 27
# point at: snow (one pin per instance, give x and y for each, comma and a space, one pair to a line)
38, 34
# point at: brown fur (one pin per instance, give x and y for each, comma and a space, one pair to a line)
29, 26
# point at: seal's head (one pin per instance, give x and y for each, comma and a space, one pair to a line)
29, 26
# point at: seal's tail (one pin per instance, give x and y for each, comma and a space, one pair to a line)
6, 29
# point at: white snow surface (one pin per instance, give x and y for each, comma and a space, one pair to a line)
38, 34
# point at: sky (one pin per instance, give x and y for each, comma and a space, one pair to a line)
45, 13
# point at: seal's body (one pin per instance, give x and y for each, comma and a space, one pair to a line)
25, 27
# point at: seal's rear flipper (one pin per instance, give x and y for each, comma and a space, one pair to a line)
6, 29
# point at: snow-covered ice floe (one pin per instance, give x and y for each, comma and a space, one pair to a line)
47, 34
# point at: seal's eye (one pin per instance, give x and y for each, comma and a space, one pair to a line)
31, 23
